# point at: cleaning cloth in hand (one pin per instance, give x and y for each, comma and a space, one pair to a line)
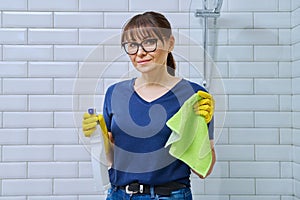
189, 140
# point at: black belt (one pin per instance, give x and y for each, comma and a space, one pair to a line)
165, 189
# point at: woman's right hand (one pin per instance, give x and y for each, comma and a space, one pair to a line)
89, 124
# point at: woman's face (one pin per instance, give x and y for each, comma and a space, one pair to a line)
145, 61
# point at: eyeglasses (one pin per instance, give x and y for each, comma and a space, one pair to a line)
148, 45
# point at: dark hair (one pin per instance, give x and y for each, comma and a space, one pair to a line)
149, 24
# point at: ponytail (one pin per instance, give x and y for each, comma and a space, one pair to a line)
171, 66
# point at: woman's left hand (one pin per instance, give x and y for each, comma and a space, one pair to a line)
205, 107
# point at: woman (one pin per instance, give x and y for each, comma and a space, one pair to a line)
136, 112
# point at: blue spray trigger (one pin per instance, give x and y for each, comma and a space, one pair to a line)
91, 111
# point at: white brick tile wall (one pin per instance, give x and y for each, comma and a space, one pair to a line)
27, 86
27, 119
52, 36
256, 5
27, 52
27, 153
15, 5
27, 187
94, 5
13, 69
52, 169
13, 136
27, 19
54, 5
13, 36
13, 170
52, 69
52, 136
262, 169
73, 186
46, 83
78, 20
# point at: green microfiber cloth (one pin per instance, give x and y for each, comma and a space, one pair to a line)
189, 140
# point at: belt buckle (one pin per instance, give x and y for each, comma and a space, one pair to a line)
141, 190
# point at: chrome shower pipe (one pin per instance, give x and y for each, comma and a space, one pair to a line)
205, 14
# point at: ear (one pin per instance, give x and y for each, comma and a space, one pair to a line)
171, 43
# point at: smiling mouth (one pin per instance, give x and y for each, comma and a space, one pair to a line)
143, 61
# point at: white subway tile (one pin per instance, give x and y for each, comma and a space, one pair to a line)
254, 5
52, 69
82, 86
296, 118
296, 170
221, 169
285, 36
286, 170
67, 120
13, 198
273, 119
78, 53
296, 153
74, 186
235, 20
52, 36
13, 170
13, 5
197, 185
239, 119
285, 5
274, 186
296, 34
296, 137
231, 186
85, 170
271, 53
272, 20
254, 136
296, 100
27, 19
286, 136
285, 69
273, 86
78, 20
116, 20
103, 69
27, 86
111, 6
238, 86
27, 187
253, 69
100, 36
13, 136
27, 153
253, 102
177, 20
273, 152
56, 197
235, 152
295, 51
54, 5
234, 53
253, 36
285, 102
13, 69
13, 102
87, 101
52, 136
114, 54
27, 119
27, 52
295, 85
297, 190
295, 17
71, 153
255, 169
255, 197
167, 5
51, 102
52, 169
13, 36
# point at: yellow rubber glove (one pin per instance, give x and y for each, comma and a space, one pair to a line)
205, 107
89, 124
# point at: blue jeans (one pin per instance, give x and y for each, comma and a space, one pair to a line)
118, 194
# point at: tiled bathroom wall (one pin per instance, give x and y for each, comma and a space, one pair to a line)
57, 57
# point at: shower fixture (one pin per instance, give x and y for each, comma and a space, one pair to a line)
211, 9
